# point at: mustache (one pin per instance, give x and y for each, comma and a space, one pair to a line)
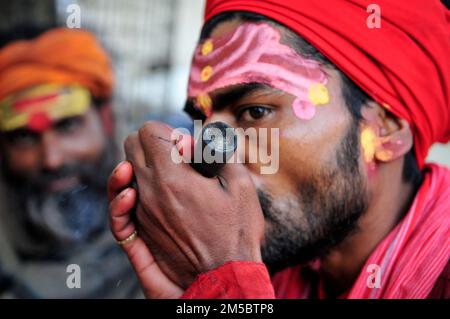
69, 217
44, 178
91, 174
265, 201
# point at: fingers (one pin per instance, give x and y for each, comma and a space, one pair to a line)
119, 179
133, 150
120, 218
157, 143
155, 283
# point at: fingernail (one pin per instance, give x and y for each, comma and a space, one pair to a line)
117, 167
124, 193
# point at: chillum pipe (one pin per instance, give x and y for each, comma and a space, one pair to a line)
217, 139
217, 144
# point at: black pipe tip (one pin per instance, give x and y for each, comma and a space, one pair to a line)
218, 144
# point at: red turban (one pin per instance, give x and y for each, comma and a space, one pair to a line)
404, 65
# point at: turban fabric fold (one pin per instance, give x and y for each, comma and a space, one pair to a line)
404, 65
59, 56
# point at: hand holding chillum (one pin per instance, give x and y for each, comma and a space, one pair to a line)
190, 223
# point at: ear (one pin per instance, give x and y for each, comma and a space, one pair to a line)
395, 141
392, 137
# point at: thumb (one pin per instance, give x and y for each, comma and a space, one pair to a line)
154, 282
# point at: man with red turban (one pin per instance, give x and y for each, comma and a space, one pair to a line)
56, 152
359, 94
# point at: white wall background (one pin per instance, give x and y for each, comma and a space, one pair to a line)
440, 153
151, 43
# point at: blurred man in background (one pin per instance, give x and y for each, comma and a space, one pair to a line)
56, 150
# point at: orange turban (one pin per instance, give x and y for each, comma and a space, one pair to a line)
59, 56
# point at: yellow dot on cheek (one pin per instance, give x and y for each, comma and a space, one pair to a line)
318, 94
369, 142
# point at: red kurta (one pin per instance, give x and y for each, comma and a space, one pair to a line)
413, 259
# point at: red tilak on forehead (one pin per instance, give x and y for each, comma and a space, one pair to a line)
253, 53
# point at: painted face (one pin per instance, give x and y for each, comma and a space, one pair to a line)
48, 127
252, 78
253, 53
55, 158
36, 108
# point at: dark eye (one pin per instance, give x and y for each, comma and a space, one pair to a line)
21, 138
68, 125
253, 113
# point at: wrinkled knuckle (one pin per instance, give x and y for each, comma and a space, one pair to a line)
149, 128
146, 129
130, 141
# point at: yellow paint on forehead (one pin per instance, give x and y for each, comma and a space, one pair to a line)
69, 101
207, 47
206, 73
204, 102
318, 94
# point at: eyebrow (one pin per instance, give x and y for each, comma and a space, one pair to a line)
231, 96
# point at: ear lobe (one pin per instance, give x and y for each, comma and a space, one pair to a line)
395, 140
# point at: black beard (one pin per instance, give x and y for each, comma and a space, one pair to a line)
69, 218
65, 220
332, 201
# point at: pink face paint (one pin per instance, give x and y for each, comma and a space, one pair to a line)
253, 53
303, 110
